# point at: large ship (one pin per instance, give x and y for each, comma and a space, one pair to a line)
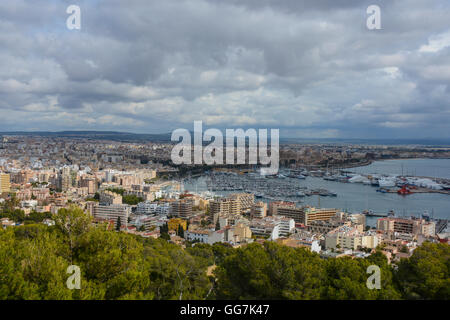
386, 182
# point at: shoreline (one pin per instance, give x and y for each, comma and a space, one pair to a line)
395, 159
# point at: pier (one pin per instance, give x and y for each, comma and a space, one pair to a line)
378, 215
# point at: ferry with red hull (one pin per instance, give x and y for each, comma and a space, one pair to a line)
404, 191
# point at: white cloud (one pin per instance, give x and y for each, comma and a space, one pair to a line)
436, 43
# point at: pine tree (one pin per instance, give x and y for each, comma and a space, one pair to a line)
217, 225
180, 231
118, 224
164, 228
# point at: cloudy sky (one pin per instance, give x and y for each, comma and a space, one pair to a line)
308, 67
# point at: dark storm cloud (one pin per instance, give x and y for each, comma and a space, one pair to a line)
310, 67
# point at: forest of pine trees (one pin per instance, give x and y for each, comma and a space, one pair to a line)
114, 265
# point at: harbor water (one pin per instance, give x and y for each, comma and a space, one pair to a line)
436, 168
356, 197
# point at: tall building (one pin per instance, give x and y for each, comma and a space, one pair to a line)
258, 210
273, 206
24, 176
224, 206
305, 215
90, 184
65, 179
181, 208
146, 207
288, 211
109, 197
5, 183
315, 214
245, 200
236, 203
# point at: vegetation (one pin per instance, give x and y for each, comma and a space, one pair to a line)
180, 231
116, 265
7, 210
117, 190
96, 197
426, 274
132, 199
118, 224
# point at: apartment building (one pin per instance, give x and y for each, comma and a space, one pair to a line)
286, 226
127, 180
149, 222
108, 198
22, 177
229, 219
264, 228
321, 226
205, 236
241, 232
112, 212
272, 227
163, 208
5, 182
224, 206
407, 226
292, 212
90, 184
245, 200
181, 208
258, 210
305, 215
273, 206
146, 207
347, 237
315, 214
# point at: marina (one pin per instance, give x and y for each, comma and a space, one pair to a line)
273, 188
330, 191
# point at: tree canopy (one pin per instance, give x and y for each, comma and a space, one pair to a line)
115, 265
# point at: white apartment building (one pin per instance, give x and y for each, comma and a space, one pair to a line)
205, 236
287, 226
146, 207
272, 227
163, 208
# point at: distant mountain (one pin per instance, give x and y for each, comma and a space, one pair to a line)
98, 135
165, 137
435, 142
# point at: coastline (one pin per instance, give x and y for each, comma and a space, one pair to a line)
369, 162
442, 180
